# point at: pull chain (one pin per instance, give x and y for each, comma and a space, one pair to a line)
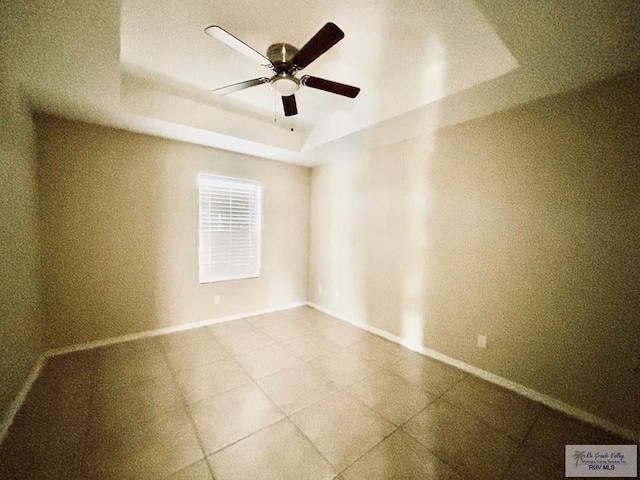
292, 123
275, 106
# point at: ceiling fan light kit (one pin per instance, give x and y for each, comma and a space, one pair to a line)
284, 84
285, 61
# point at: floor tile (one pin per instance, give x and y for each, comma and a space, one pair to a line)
195, 471
233, 415
37, 448
533, 463
342, 428
319, 322
116, 373
297, 387
51, 465
400, 457
185, 337
47, 437
245, 342
472, 447
233, 327
373, 351
344, 368
434, 376
149, 451
146, 347
553, 430
145, 409
267, 360
180, 347
279, 452
286, 331
204, 381
118, 409
391, 396
346, 335
184, 356
391, 347
508, 412
267, 319
311, 346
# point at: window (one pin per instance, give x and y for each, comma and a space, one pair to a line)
230, 227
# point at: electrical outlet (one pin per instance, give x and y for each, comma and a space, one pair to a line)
216, 299
482, 341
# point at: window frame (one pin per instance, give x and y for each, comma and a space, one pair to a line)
256, 226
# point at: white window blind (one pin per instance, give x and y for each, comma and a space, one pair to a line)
230, 228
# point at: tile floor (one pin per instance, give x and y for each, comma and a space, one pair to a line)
293, 395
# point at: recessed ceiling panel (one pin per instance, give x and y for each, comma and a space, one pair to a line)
402, 54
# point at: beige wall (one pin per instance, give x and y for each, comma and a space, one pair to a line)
20, 333
523, 226
50, 46
120, 232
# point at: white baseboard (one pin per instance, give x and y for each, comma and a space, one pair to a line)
22, 394
20, 398
496, 379
167, 330
503, 382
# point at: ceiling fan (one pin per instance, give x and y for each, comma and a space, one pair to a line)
286, 60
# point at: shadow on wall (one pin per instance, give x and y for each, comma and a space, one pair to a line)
369, 242
100, 203
521, 226
396, 250
534, 241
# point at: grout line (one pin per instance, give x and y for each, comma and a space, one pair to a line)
185, 408
333, 467
445, 461
185, 405
437, 397
232, 356
526, 392
454, 467
341, 389
359, 457
21, 396
521, 445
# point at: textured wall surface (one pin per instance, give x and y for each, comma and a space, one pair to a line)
120, 232
522, 226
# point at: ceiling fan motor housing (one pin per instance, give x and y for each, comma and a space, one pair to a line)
281, 56
284, 81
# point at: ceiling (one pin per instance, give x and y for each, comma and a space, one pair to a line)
401, 54
421, 64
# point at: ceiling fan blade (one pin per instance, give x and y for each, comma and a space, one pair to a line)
322, 41
236, 87
289, 104
329, 86
238, 45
